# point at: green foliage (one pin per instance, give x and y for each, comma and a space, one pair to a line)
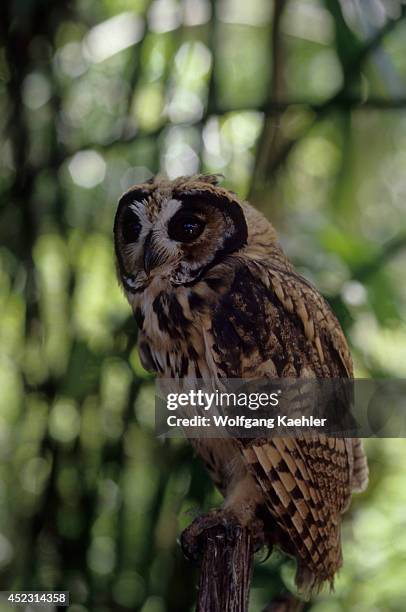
95, 96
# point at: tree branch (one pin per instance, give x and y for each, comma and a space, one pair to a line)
226, 570
226, 552
342, 97
389, 250
270, 140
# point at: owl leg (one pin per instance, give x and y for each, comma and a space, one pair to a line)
243, 498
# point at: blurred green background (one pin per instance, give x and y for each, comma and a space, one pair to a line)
301, 106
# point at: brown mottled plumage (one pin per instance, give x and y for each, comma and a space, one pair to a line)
214, 296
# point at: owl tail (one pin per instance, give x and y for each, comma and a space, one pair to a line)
312, 575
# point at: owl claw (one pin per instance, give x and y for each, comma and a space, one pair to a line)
192, 538
222, 524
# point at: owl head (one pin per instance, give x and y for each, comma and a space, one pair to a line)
176, 229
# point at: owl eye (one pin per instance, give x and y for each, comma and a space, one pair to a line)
185, 227
131, 226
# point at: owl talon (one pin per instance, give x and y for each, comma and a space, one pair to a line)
221, 523
258, 536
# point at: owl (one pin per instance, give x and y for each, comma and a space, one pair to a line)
215, 297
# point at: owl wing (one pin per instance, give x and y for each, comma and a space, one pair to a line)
272, 322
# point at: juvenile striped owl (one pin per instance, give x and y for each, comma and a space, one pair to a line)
215, 297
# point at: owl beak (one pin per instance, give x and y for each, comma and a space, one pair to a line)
151, 258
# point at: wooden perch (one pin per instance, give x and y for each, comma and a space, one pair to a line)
226, 550
226, 570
